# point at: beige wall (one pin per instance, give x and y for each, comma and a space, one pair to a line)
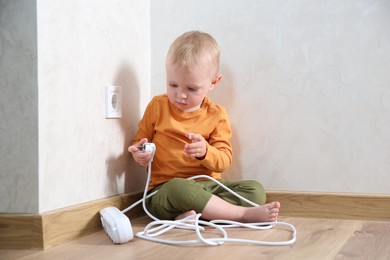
81, 46
307, 86
306, 83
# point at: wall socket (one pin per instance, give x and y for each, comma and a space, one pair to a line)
113, 98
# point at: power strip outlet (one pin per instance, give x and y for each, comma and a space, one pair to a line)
116, 225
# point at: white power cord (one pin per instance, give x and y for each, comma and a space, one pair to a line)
192, 222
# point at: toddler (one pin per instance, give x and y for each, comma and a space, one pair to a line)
191, 135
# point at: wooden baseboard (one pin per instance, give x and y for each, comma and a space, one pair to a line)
41, 231
332, 205
20, 231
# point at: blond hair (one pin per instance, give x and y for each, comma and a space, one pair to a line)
194, 48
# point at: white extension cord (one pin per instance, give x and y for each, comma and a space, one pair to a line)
120, 231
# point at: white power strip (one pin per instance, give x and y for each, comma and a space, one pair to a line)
116, 225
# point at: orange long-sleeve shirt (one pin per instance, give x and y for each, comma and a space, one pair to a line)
166, 126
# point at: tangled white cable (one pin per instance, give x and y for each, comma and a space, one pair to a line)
159, 227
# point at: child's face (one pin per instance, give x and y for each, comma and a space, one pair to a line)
186, 88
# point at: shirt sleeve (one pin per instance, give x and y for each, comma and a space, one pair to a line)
147, 123
219, 149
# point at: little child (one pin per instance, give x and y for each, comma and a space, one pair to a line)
191, 135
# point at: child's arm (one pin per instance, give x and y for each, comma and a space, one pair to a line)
144, 134
198, 146
215, 153
216, 157
140, 157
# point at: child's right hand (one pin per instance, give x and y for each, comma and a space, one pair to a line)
139, 156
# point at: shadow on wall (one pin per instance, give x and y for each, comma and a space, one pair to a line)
135, 176
224, 95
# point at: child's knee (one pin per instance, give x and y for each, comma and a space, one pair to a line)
256, 192
175, 186
166, 204
185, 195
181, 193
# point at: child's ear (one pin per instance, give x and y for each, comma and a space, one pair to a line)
215, 81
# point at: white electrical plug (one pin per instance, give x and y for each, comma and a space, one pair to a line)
149, 148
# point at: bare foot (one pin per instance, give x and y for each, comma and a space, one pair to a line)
217, 208
185, 214
264, 213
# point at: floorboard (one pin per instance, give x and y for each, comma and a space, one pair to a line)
317, 239
370, 241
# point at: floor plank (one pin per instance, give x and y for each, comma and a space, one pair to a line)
370, 241
317, 239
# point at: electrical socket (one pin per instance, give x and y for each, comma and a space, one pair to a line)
113, 100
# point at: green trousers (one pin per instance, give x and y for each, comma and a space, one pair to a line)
180, 195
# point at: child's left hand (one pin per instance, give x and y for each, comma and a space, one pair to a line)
198, 146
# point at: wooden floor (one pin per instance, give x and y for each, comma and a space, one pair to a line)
317, 239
